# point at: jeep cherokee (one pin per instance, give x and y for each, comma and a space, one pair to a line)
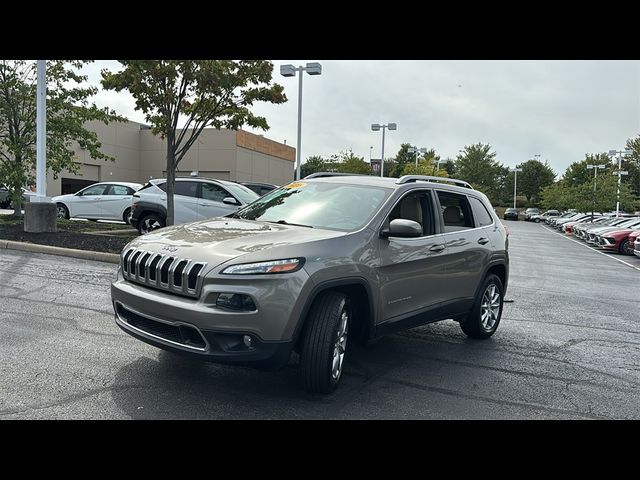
314, 266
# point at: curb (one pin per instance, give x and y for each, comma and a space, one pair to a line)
65, 252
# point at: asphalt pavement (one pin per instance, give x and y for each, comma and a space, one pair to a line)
568, 347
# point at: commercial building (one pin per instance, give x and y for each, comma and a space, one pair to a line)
140, 155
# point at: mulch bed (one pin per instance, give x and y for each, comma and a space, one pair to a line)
72, 234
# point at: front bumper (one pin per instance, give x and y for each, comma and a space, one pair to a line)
197, 327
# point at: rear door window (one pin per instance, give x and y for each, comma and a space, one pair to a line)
455, 211
187, 189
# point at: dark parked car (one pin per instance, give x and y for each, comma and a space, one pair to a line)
260, 188
510, 214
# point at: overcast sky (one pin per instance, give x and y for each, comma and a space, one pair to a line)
557, 109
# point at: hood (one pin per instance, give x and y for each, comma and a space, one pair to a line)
61, 198
219, 240
620, 231
603, 230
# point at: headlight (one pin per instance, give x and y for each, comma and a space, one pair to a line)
275, 266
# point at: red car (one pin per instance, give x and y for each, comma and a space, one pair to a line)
618, 240
635, 237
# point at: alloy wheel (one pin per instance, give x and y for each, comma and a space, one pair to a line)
490, 308
340, 345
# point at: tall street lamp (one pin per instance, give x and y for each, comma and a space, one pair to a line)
620, 172
370, 152
515, 181
375, 127
290, 71
595, 168
417, 151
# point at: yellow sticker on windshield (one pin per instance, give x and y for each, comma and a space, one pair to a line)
295, 185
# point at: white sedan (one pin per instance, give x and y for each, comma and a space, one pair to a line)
100, 201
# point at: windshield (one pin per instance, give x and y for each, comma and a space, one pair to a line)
334, 206
244, 194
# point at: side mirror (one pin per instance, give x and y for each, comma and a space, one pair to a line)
230, 201
403, 228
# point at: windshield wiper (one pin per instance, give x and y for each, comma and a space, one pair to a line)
284, 222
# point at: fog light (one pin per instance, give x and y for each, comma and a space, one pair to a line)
248, 342
236, 301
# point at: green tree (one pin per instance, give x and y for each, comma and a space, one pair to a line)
578, 174
534, 177
402, 158
68, 110
347, 162
478, 166
632, 164
313, 164
214, 93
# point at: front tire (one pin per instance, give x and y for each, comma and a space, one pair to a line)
625, 247
62, 211
485, 316
324, 342
149, 223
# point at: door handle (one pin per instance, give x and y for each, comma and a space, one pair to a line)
205, 204
483, 240
437, 248
163, 198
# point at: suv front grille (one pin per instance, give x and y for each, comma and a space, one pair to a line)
164, 272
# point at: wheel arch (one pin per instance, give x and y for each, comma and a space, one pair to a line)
359, 291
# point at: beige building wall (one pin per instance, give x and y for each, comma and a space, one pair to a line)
119, 140
140, 155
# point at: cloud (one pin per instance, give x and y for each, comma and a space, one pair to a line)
558, 109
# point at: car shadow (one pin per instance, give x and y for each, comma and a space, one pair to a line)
165, 385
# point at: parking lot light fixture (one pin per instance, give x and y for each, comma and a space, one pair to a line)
417, 151
290, 71
376, 127
620, 173
515, 181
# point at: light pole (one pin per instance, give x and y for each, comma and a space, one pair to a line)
417, 151
290, 71
595, 180
370, 152
515, 181
375, 127
620, 172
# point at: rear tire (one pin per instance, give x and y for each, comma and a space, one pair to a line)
324, 342
485, 316
126, 216
149, 223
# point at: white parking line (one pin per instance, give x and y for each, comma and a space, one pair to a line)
592, 249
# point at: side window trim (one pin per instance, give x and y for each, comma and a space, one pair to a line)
475, 220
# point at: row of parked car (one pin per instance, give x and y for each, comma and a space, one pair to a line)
617, 234
145, 206
530, 214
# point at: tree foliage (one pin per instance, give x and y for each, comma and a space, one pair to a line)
534, 177
477, 165
201, 93
68, 111
313, 164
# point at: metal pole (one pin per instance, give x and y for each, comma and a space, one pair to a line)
41, 131
593, 204
515, 181
619, 178
300, 70
416, 158
382, 159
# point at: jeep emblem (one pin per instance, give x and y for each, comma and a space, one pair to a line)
170, 248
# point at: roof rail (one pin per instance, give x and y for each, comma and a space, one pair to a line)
426, 178
334, 174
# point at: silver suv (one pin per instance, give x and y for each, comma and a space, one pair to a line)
314, 266
195, 198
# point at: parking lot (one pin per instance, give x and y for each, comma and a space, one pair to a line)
568, 347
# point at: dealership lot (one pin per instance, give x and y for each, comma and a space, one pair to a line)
568, 347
